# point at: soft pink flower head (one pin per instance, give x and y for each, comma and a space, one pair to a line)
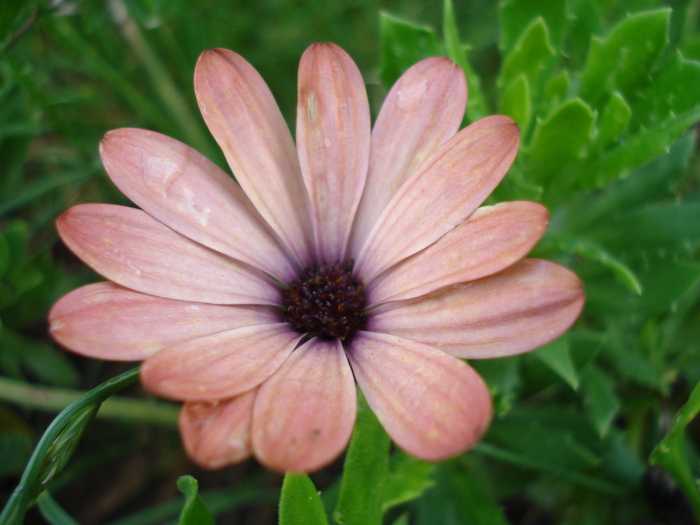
357, 256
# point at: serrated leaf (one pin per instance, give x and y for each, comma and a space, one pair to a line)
599, 398
560, 139
407, 479
670, 452
516, 15
557, 89
630, 154
662, 98
364, 472
300, 503
402, 45
194, 512
585, 23
557, 356
613, 121
528, 57
623, 59
516, 102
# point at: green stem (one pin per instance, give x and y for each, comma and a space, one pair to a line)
56, 399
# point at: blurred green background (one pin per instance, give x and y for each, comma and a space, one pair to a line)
610, 147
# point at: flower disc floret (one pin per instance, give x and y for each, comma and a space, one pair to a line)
326, 301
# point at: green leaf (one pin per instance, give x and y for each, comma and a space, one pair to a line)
195, 512
57, 443
475, 505
300, 503
557, 89
557, 356
560, 139
585, 23
592, 251
15, 449
503, 378
364, 472
476, 104
528, 57
613, 121
662, 98
408, 478
602, 405
670, 452
630, 154
516, 102
402, 45
516, 15
623, 60
4, 255
53, 512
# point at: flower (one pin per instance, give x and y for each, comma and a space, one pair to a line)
353, 257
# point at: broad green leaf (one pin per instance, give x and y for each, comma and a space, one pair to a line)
503, 379
476, 105
408, 478
516, 102
560, 139
670, 452
475, 505
194, 512
365, 471
613, 121
300, 503
528, 57
515, 15
557, 356
599, 398
623, 59
673, 90
402, 45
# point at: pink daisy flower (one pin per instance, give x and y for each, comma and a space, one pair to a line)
353, 257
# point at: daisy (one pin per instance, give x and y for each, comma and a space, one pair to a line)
358, 256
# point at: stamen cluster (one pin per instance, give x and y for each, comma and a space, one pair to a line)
326, 301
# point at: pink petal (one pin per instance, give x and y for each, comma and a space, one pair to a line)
106, 321
131, 248
442, 193
431, 404
333, 134
217, 434
242, 115
514, 311
220, 365
190, 194
492, 239
423, 110
304, 414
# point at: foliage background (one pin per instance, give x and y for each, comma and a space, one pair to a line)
607, 93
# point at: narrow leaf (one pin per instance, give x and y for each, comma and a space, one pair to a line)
194, 512
300, 503
557, 356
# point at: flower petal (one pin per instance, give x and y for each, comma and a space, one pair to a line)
106, 321
516, 310
131, 248
442, 193
190, 194
217, 434
492, 239
304, 414
431, 404
423, 110
242, 115
333, 135
221, 365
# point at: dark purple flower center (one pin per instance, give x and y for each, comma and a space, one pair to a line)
326, 301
